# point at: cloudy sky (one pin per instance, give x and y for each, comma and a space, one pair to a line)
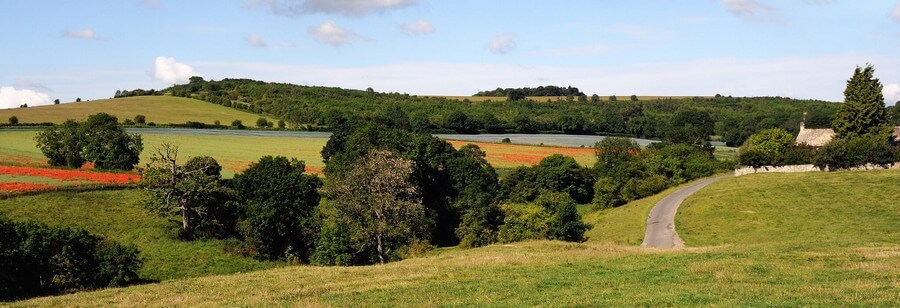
796, 48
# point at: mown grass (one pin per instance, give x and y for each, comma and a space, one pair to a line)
117, 215
157, 109
827, 208
854, 263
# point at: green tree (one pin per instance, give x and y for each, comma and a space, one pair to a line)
62, 144
192, 191
262, 123
691, 126
278, 200
863, 112
634, 98
565, 224
140, 119
237, 124
107, 145
56, 101
13, 120
379, 203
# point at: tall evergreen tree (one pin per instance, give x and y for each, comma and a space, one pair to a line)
863, 112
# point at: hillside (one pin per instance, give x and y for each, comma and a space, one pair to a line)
118, 215
853, 260
157, 109
732, 118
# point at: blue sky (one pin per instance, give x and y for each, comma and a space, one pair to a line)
796, 48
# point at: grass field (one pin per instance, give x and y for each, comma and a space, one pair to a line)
119, 216
235, 153
157, 109
849, 256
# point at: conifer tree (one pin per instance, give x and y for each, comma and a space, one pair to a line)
863, 112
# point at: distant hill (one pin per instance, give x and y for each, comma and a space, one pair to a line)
735, 118
156, 109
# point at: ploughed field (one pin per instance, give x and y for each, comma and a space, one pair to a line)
811, 239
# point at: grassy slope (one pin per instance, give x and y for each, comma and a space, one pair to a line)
157, 109
829, 209
117, 215
846, 265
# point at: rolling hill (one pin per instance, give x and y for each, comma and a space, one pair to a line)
157, 109
837, 248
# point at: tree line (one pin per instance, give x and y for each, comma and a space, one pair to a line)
733, 119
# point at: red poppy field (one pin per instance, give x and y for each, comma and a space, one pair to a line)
21, 179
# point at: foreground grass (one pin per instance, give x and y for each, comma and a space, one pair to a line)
157, 109
541, 273
856, 262
118, 216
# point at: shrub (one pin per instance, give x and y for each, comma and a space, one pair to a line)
49, 260
506, 140
639, 188
753, 158
607, 193
262, 123
140, 119
237, 124
333, 246
843, 153
13, 120
565, 224
523, 222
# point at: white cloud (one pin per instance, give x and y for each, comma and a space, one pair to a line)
344, 7
10, 97
417, 27
745, 7
891, 93
168, 71
332, 34
502, 43
84, 34
895, 15
255, 40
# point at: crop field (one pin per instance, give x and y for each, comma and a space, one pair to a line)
21, 179
746, 247
503, 156
157, 109
236, 153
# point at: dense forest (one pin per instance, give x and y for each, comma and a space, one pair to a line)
539, 91
733, 119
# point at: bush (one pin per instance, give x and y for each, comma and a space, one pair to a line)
140, 119
639, 188
49, 260
607, 193
237, 124
523, 222
262, 123
333, 246
843, 153
506, 140
565, 224
13, 120
753, 158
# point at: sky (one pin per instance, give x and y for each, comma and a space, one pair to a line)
794, 48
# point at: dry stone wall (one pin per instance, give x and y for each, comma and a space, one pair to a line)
807, 168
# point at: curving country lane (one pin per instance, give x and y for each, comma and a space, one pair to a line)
661, 221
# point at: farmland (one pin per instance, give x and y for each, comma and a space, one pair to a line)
235, 153
20, 179
157, 109
851, 258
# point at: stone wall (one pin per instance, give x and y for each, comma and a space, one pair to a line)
806, 168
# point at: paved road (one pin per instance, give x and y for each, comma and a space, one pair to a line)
661, 222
